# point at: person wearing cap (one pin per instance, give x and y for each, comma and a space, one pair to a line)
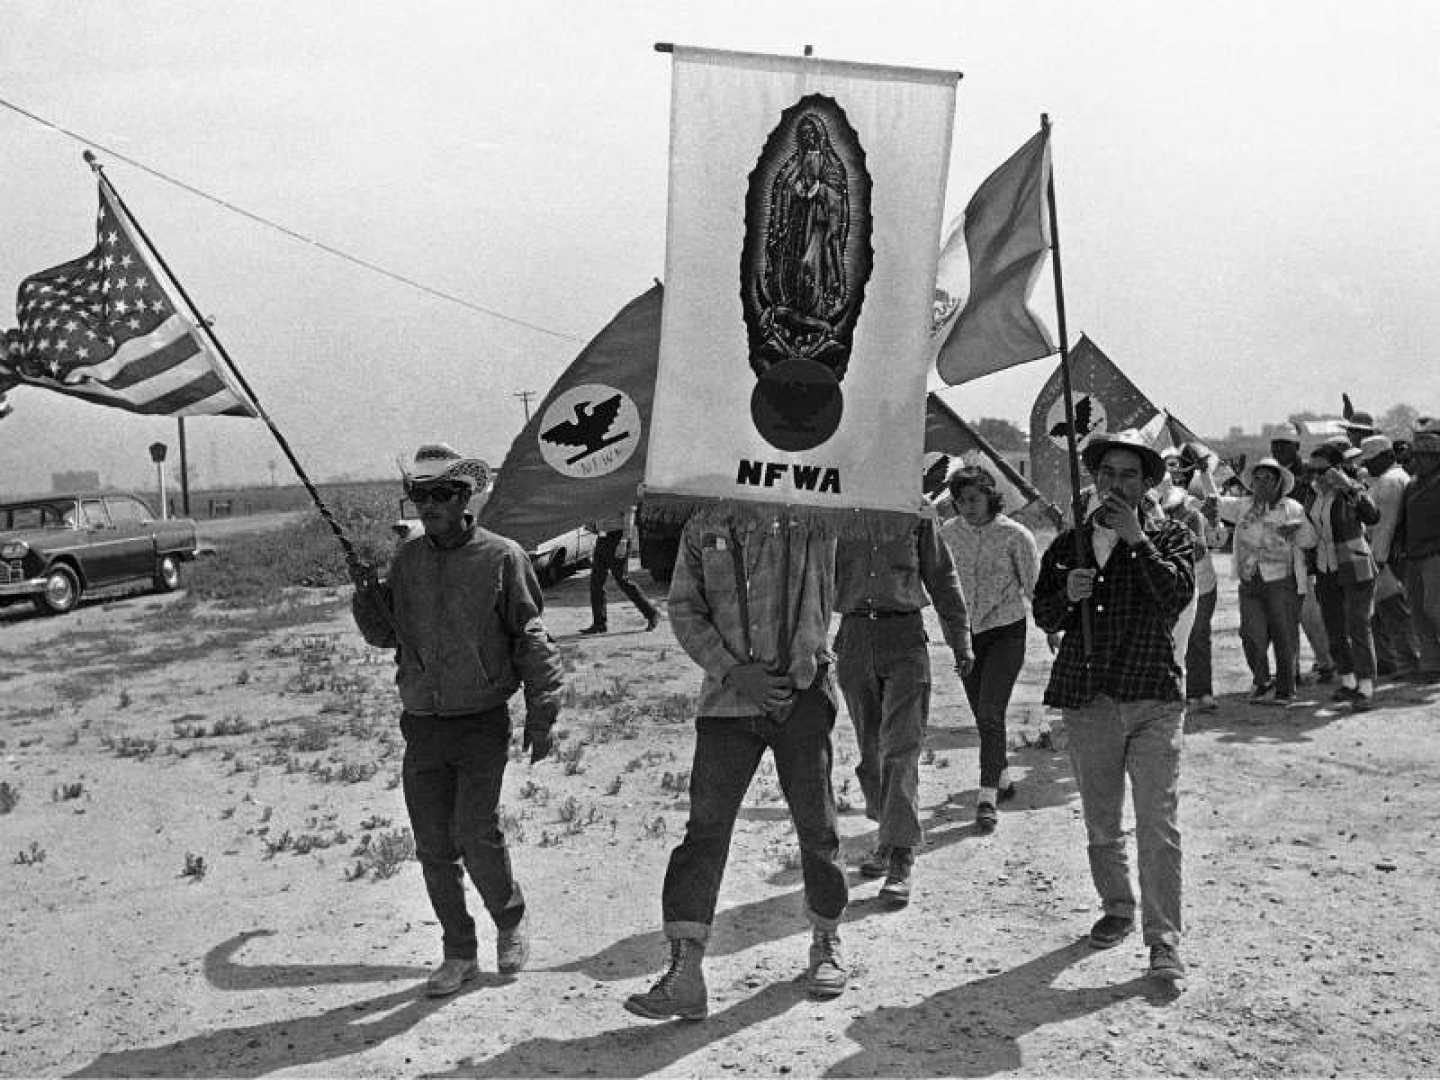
1192, 635
882, 658
610, 558
1340, 510
998, 561
1271, 535
1285, 449
1394, 639
1416, 546
462, 609
1120, 692
750, 603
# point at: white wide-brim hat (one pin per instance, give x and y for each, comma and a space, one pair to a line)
1287, 478
439, 463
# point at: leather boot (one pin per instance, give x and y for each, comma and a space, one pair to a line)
680, 991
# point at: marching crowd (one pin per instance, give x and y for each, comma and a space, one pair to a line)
1344, 542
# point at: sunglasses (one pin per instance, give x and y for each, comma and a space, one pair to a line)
437, 495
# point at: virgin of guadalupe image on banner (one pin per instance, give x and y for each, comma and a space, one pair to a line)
806, 262
805, 207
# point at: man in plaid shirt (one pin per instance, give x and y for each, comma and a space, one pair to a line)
1122, 703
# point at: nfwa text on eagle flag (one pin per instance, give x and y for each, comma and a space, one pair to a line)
805, 203
111, 327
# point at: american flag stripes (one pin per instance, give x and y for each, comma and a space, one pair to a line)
111, 327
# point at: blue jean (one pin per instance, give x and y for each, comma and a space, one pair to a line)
1198, 678
1110, 740
884, 669
1270, 614
728, 749
999, 656
452, 773
1347, 610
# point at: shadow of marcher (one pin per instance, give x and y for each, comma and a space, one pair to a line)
257, 1049
223, 973
975, 1029
637, 1049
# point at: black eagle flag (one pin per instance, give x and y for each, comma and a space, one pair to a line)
582, 455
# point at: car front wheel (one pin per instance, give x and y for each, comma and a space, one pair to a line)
62, 591
167, 574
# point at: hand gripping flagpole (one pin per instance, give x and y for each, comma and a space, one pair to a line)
358, 569
1077, 505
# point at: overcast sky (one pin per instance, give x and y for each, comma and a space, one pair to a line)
1246, 192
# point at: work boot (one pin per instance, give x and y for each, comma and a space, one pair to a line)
452, 973
877, 863
594, 628
826, 975
680, 991
512, 947
896, 889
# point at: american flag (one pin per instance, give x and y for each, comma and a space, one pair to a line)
110, 327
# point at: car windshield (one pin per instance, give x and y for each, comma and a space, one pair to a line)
58, 514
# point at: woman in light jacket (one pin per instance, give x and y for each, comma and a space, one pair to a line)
1270, 535
998, 560
1340, 509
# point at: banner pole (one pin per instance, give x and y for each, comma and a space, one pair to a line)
1077, 505
352, 558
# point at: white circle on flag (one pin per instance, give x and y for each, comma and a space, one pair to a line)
1090, 420
589, 430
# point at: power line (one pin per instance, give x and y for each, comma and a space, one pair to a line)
291, 233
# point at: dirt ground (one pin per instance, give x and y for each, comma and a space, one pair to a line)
192, 878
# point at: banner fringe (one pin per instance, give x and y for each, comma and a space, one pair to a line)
664, 510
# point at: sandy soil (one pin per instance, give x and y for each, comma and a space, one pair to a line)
179, 902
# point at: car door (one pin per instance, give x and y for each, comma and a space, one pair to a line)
101, 553
134, 527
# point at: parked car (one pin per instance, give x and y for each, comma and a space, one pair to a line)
55, 549
554, 560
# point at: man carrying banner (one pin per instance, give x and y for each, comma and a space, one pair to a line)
750, 603
1118, 686
882, 653
461, 607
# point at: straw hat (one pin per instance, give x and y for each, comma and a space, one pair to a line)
1287, 479
437, 463
1130, 439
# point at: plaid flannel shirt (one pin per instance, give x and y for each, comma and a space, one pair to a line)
1138, 595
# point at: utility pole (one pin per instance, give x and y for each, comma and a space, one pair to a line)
525, 396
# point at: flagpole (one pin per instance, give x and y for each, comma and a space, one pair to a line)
1077, 505
352, 558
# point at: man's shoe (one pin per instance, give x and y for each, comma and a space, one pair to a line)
1361, 702
1345, 693
1260, 689
452, 974
1006, 793
826, 975
1324, 675
1165, 963
512, 947
1110, 930
986, 817
896, 889
680, 991
652, 620
876, 864
595, 628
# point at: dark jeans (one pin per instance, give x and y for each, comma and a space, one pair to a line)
1347, 610
1198, 680
728, 749
1394, 637
452, 773
999, 656
1270, 615
607, 560
884, 668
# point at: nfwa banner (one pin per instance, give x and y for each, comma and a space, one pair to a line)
805, 207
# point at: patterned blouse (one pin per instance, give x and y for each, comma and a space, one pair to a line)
998, 563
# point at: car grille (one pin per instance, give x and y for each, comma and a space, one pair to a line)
11, 572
